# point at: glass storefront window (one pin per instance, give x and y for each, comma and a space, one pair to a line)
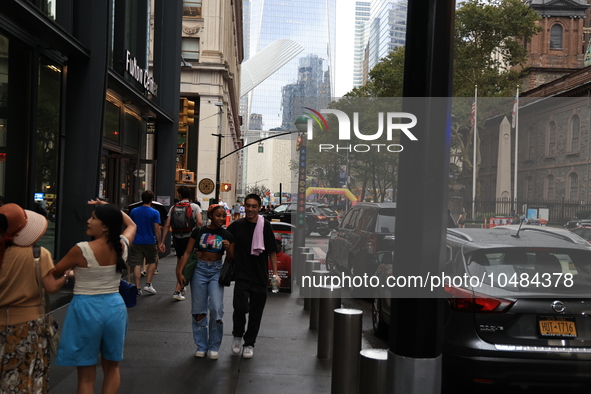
3, 109
47, 147
190, 48
48, 7
132, 129
192, 9
112, 115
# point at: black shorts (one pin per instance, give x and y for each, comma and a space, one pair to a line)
180, 245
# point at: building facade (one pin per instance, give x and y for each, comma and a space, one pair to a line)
311, 24
88, 106
212, 50
362, 9
386, 29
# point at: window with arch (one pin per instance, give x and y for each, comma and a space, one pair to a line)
551, 139
573, 186
556, 36
549, 187
575, 126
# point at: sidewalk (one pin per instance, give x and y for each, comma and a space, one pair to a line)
160, 352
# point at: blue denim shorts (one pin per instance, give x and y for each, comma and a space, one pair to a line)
94, 323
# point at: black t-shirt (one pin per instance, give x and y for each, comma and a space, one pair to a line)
250, 267
210, 240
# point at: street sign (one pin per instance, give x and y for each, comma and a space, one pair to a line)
180, 151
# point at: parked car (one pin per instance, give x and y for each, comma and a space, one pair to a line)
365, 229
583, 232
577, 223
525, 334
319, 217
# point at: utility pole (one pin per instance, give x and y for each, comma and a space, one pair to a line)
219, 160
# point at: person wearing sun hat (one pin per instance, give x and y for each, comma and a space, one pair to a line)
24, 364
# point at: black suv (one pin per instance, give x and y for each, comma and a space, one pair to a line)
524, 323
365, 229
320, 218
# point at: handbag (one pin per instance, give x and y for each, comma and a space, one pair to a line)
227, 272
127, 289
190, 267
50, 324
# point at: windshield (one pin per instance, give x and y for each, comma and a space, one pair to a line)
386, 220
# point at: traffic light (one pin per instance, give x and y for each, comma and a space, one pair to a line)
186, 113
225, 187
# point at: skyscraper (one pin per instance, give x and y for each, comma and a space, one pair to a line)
386, 28
362, 9
310, 23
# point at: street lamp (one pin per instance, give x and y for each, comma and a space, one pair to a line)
220, 105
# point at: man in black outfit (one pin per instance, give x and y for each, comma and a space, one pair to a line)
251, 275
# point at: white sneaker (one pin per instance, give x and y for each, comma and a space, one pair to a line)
178, 296
236, 345
199, 354
248, 352
213, 354
156, 271
149, 288
183, 291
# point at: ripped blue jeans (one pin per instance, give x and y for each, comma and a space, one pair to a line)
207, 293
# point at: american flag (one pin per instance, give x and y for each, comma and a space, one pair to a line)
473, 115
514, 113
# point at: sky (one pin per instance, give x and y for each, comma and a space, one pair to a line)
345, 30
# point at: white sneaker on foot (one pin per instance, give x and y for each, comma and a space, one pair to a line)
178, 296
149, 288
236, 345
199, 354
248, 352
213, 354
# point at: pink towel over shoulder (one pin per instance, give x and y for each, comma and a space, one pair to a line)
258, 242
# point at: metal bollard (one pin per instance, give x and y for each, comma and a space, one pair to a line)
346, 348
317, 280
309, 266
301, 268
330, 299
373, 369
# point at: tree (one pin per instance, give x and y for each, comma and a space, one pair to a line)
489, 52
260, 190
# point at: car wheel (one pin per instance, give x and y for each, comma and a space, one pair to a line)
307, 230
324, 233
380, 329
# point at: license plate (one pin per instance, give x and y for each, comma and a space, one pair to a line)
557, 326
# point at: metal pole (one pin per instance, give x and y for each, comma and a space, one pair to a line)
318, 280
373, 365
309, 266
299, 269
346, 348
330, 299
219, 159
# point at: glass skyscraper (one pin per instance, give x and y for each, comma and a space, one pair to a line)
362, 9
387, 28
310, 23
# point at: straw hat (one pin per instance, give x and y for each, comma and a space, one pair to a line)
24, 227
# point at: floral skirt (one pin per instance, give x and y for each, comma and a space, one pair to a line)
24, 356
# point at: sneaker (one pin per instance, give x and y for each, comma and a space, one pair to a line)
248, 352
143, 272
178, 296
148, 287
213, 355
236, 345
183, 290
139, 292
199, 354
156, 271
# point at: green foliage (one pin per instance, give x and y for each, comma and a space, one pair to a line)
260, 190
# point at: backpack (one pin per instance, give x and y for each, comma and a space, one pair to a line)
181, 217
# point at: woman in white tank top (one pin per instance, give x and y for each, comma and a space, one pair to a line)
96, 321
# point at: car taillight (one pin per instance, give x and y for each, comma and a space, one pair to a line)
372, 244
320, 217
464, 300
